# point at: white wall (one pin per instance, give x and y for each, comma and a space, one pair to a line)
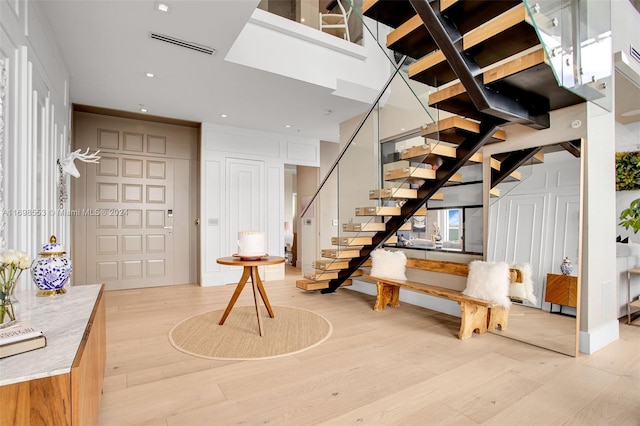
242, 189
36, 131
275, 44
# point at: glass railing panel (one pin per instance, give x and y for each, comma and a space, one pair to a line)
576, 37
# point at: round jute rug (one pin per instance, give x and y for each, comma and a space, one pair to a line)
292, 330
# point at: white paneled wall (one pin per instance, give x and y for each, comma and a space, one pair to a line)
36, 115
536, 221
242, 189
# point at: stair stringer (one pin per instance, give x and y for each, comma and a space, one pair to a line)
535, 113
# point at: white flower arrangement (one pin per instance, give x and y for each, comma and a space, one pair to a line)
12, 263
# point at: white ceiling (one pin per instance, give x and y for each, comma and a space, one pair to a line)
106, 48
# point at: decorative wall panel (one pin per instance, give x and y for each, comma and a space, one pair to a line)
106, 271
155, 243
156, 169
156, 144
156, 194
131, 244
107, 222
131, 168
155, 268
108, 139
108, 166
131, 193
131, 269
107, 192
107, 244
155, 218
133, 219
132, 141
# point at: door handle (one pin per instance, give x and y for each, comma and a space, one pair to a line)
168, 227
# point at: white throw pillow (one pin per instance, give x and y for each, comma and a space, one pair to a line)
489, 281
527, 283
388, 264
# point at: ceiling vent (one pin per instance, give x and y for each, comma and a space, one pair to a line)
186, 44
634, 53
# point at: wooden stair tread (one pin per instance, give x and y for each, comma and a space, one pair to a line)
456, 130
470, 14
377, 211
411, 38
393, 193
321, 275
351, 241
504, 36
306, 284
410, 174
529, 73
392, 13
340, 254
335, 265
370, 227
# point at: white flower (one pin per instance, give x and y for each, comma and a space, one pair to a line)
18, 259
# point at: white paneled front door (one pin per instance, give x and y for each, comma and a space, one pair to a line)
134, 212
130, 238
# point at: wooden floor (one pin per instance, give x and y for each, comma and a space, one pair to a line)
400, 366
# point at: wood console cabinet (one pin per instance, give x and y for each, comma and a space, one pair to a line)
562, 290
61, 392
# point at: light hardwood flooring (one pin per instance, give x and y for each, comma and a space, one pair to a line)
541, 328
401, 366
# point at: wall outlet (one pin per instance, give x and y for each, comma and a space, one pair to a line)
334, 222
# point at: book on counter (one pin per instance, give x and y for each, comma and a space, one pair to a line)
21, 337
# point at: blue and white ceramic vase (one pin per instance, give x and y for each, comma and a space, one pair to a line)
52, 269
566, 267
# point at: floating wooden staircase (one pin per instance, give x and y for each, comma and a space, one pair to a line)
485, 59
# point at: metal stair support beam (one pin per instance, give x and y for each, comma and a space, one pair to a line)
447, 37
464, 152
573, 147
512, 163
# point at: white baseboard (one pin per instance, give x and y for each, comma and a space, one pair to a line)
592, 341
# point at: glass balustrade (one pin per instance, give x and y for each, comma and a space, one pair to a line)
576, 36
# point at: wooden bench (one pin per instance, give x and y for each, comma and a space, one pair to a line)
477, 315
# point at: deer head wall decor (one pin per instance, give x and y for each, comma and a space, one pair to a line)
68, 166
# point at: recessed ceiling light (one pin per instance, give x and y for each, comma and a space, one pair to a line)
163, 6
150, 74
287, 125
143, 110
223, 115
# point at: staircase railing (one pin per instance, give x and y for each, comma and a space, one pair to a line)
576, 36
331, 213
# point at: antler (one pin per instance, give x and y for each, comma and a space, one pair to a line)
69, 167
86, 157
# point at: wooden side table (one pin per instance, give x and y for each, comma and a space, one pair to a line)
250, 271
561, 290
631, 304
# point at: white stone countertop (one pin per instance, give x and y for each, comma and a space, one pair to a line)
63, 319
